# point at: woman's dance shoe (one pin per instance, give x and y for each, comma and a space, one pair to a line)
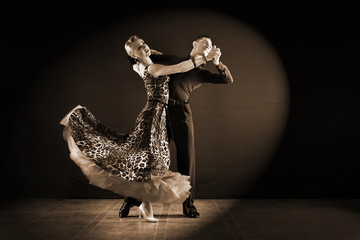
142, 213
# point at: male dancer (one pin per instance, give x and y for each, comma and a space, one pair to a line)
180, 124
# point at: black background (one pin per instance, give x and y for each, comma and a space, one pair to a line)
317, 42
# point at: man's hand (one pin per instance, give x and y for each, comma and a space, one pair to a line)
217, 54
214, 55
210, 56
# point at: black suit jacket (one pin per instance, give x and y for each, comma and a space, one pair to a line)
182, 84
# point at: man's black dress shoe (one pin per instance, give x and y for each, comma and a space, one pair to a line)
125, 208
192, 214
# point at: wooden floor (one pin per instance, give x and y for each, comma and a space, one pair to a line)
249, 219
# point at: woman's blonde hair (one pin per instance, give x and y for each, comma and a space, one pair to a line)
128, 42
129, 50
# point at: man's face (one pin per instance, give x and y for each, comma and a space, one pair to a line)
203, 46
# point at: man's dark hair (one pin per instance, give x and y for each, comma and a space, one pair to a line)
201, 37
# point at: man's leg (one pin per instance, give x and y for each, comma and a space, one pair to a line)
127, 204
183, 132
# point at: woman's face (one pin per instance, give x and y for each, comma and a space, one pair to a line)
139, 49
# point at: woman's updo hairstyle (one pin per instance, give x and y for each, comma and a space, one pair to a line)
129, 50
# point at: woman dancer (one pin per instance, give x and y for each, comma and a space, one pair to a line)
135, 164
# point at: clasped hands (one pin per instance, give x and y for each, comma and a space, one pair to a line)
213, 55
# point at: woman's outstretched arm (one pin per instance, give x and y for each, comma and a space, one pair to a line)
184, 66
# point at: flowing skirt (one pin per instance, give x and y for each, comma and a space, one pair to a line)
161, 185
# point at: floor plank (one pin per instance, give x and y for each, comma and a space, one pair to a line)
233, 219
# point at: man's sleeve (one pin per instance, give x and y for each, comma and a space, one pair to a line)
223, 77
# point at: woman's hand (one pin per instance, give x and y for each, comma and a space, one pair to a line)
214, 54
217, 54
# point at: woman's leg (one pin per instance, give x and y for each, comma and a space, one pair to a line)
146, 210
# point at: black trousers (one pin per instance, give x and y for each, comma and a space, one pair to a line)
180, 129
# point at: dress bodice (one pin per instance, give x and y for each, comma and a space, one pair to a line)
156, 87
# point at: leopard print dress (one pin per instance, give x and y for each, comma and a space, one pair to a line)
134, 164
